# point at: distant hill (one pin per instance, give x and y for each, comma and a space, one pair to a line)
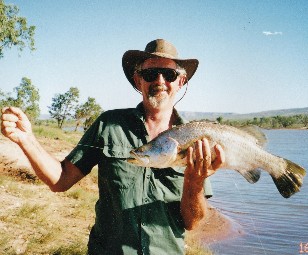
44, 117
236, 116
229, 115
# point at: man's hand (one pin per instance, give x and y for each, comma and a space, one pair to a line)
15, 124
193, 203
197, 171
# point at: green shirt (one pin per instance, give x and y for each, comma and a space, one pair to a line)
138, 211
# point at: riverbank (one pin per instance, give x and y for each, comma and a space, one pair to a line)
33, 220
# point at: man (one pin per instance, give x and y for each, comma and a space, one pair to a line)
140, 210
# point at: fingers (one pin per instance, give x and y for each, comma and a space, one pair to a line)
7, 131
190, 159
14, 123
203, 165
199, 155
9, 117
9, 120
203, 156
9, 124
13, 112
207, 153
220, 157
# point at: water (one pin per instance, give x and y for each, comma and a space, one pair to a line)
272, 224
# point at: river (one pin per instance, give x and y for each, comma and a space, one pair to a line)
272, 224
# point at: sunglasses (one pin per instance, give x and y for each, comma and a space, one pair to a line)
151, 74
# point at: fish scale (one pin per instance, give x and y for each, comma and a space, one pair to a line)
242, 153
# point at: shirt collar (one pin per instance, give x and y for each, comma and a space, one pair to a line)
139, 113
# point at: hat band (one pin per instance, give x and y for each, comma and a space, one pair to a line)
163, 55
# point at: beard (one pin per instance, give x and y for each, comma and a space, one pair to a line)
158, 95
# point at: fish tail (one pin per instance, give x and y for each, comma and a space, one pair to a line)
291, 180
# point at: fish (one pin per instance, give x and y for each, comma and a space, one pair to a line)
242, 151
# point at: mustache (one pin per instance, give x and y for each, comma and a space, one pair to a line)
157, 88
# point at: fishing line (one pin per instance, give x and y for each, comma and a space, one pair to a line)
183, 94
250, 217
91, 146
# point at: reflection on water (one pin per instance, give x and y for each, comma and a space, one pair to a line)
273, 224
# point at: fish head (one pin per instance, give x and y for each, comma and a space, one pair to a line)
159, 153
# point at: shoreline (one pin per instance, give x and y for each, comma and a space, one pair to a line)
214, 228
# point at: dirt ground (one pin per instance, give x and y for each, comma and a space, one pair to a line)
33, 220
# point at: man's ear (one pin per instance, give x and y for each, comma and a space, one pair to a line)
182, 81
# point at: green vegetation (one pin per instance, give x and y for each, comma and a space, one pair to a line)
293, 121
48, 129
64, 105
14, 30
87, 112
64, 110
27, 98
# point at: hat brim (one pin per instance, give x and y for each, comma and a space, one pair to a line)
132, 58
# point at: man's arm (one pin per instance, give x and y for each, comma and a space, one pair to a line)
194, 203
59, 176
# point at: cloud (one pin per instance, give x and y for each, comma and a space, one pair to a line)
267, 33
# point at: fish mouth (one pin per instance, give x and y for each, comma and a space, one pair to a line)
132, 161
137, 160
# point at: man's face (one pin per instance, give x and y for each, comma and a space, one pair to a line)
160, 92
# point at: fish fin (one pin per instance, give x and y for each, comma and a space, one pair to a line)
256, 132
252, 176
291, 180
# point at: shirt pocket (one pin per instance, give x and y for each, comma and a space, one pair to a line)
116, 170
170, 182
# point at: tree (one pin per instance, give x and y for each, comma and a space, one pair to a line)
3, 98
219, 119
6, 99
14, 30
304, 120
27, 98
285, 121
64, 105
87, 113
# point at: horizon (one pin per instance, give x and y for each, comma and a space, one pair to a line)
253, 54
233, 113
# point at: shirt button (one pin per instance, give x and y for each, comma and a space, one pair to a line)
146, 200
148, 176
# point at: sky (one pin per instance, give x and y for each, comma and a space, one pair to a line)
253, 54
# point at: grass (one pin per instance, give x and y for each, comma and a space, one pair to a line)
73, 249
46, 222
33, 220
55, 133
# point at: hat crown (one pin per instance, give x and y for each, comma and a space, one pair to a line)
158, 48
161, 47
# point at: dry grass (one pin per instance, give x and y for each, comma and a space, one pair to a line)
34, 220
